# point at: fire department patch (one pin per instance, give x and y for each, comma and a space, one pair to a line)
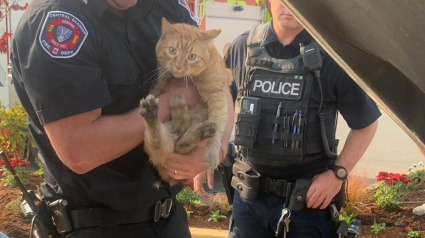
62, 35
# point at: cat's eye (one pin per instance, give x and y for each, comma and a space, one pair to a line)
172, 50
192, 57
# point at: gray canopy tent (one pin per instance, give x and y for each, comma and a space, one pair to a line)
381, 45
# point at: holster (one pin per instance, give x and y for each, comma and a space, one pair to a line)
299, 194
225, 170
340, 198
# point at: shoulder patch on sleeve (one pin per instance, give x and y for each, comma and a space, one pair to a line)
62, 34
184, 4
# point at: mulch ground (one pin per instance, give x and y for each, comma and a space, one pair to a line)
12, 223
396, 219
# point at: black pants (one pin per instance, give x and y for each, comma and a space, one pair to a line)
259, 218
175, 226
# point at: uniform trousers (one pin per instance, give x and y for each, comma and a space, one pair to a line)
259, 218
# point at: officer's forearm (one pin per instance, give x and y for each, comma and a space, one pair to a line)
356, 144
88, 140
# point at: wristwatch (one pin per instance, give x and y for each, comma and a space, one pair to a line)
340, 172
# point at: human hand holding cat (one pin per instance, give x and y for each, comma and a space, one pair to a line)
186, 166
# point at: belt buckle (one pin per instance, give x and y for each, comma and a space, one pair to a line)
275, 186
162, 209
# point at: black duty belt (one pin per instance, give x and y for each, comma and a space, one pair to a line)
249, 182
102, 217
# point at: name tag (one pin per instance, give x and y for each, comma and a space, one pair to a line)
283, 88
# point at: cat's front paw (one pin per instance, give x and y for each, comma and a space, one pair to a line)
149, 107
211, 160
208, 130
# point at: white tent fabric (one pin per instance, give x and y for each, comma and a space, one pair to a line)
381, 45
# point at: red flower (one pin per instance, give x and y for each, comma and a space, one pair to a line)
190, 185
186, 207
382, 173
5, 131
1, 172
408, 227
379, 178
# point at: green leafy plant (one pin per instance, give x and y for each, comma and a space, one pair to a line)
188, 197
389, 195
14, 136
391, 188
416, 175
188, 211
345, 217
378, 227
15, 142
215, 216
413, 234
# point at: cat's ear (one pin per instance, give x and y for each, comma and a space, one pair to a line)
210, 34
167, 28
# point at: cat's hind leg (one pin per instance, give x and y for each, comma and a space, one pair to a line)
193, 136
179, 111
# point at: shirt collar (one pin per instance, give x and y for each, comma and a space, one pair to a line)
141, 10
98, 7
270, 37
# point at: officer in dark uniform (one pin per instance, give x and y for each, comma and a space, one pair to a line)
80, 68
278, 130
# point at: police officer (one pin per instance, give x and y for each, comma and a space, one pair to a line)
80, 68
278, 130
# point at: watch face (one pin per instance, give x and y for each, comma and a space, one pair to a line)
341, 173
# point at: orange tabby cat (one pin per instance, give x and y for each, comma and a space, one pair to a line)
187, 53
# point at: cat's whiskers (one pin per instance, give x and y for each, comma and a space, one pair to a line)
193, 82
164, 71
160, 73
186, 81
154, 77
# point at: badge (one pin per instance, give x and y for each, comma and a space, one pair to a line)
185, 5
62, 35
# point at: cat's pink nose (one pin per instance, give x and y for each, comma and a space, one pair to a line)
178, 67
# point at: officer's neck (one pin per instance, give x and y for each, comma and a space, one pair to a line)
286, 35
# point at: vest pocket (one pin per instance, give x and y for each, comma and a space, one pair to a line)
246, 129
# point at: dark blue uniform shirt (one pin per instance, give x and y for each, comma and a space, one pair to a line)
68, 58
357, 108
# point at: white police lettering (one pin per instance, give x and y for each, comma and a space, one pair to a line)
285, 88
295, 87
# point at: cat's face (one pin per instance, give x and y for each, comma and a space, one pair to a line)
183, 49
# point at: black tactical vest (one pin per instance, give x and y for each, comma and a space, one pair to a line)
275, 125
